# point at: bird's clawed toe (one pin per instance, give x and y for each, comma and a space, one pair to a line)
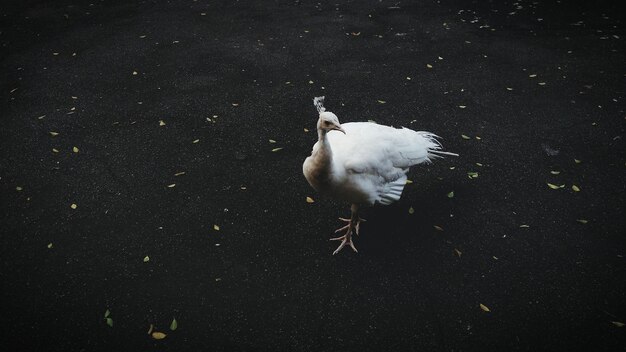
345, 239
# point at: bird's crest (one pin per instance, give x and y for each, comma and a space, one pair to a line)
319, 104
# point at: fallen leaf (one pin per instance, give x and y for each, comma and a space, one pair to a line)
408, 182
477, 137
109, 322
179, 173
146, 259
479, 164
458, 252
575, 188
107, 313
54, 133
195, 141
524, 226
216, 228
507, 88
73, 206
161, 123
554, 186
577, 161
174, 325
18, 188
532, 76
134, 73
306, 130
555, 172
465, 137
75, 149
158, 335
309, 200
276, 149
582, 221
411, 210
462, 106
542, 83
619, 324
429, 65
438, 228
484, 308
272, 141
55, 150
451, 194
472, 175
171, 185
50, 245
381, 101
150, 329
235, 104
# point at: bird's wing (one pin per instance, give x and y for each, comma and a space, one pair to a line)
380, 155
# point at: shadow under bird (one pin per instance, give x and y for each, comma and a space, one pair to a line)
364, 163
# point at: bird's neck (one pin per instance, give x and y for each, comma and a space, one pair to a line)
323, 145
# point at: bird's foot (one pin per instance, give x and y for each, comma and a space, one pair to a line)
345, 239
351, 227
355, 224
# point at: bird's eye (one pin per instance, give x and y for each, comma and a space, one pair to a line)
326, 123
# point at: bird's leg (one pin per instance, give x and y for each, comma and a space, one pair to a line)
352, 227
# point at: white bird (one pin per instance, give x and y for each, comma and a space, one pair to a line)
364, 163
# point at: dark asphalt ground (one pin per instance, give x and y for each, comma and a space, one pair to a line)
534, 87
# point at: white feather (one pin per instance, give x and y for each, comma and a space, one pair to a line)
370, 161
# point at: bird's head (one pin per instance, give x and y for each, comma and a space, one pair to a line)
328, 122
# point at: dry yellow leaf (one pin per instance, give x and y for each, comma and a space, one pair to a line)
276, 149
216, 228
524, 226
411, 210
462, 106
55, 150
438, 228
306, 130
73, 206
577, 161
429, 65
484, 308
309, 200
161, 123
158, 335
382, 101
179, 173
408, 182
75, 149
18, 188
575, 188
272, 141
465, 137
150, 330
554, 186
171, 186
54, 134
619, 324
555, 172
195, 141
582, 221
458, 252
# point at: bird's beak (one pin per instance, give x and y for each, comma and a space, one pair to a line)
340, 129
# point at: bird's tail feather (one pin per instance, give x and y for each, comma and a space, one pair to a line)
434, 146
